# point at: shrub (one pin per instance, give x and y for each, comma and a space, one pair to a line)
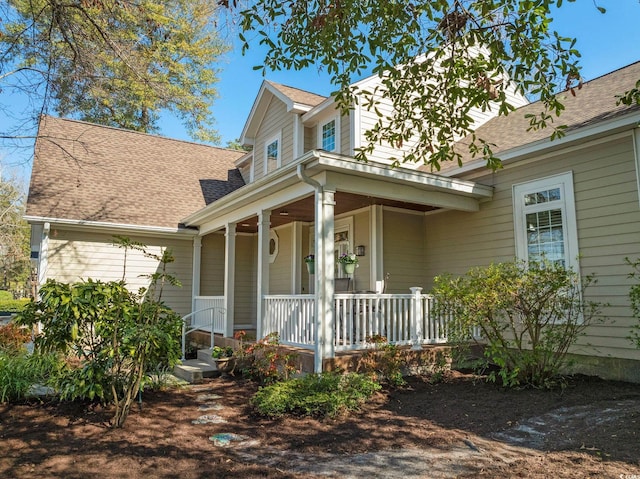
272, 362
529, 315
13, 337
13, 305
19, 371
383, 363
634, 296
5, 296
116, 334
317, 395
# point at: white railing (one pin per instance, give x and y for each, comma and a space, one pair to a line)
291, 316
402, 319
208, 314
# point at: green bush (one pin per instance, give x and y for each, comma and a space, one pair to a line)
116, 335
5, 295
528, 314
19, 371
634, 296
317, 395
13, 305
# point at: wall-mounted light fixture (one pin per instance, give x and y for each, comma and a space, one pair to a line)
284, 213
360, 250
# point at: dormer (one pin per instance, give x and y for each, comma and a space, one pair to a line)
274, 128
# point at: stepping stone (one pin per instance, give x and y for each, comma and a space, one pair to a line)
226, 439
208, 397
211, 407
209, 419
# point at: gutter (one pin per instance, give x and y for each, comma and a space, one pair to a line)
83, 224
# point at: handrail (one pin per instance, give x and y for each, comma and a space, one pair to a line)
209, 325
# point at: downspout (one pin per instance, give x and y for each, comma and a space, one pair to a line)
320, 268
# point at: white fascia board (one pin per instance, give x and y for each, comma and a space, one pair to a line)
246, 209
405, 175
543, 146
254, 115
283, 185
318, 109
244, 159
258, 189
112, 227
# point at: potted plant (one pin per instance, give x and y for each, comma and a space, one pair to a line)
223, 357
349, 262
310, 260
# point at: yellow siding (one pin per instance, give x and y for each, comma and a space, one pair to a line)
608, 221
75, 255
245, 285
362, 275
281, 269
404, 247
276, 120
212, 265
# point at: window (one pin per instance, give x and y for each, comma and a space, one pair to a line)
545, 220
328, 135
272, 154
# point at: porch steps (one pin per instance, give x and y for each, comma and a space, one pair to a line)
195, 370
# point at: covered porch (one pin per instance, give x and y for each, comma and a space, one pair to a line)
248, 259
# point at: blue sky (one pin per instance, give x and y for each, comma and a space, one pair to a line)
607, 42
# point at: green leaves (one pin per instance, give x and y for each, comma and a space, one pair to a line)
529, 315
439, 63
115, 63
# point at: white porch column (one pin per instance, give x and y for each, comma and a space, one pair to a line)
43, 255
195, 268
297, 261
325, 264
229, 278
375, 250
416, 320
264, 222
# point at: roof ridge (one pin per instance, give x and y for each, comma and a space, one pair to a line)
276, 84
126, 130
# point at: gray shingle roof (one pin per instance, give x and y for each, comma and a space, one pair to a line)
88, 172
595, 102
299, 96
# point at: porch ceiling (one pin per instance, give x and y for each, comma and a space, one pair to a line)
303, 210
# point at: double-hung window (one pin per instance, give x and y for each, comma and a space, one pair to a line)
272, 152
545, 221
329, 135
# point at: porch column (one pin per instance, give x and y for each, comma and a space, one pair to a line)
325, 264
376, 242
195, 275
229, 278
416, 320
264, 222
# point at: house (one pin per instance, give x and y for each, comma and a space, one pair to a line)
241, 224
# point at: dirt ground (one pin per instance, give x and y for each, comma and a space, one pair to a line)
462, 427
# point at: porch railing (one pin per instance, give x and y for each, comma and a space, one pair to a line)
207, 316
401, 318
291, 316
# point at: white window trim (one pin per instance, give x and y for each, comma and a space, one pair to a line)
563, 181
274, 138
321, 124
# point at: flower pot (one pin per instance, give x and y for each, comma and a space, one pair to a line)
348, 268
311, 267
225, 365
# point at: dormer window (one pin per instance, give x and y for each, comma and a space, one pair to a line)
329, 137
272, 154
